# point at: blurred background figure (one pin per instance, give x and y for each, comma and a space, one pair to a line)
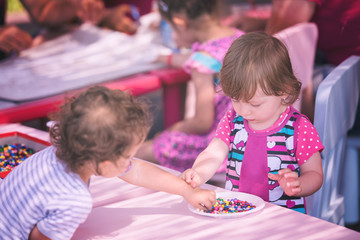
12, 39
195, 24
116, 15
122, 15
51, 18
338, 23
247, 15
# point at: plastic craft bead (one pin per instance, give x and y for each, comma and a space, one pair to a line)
234, 205
12, 155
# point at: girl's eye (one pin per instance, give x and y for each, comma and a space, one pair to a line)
255, 105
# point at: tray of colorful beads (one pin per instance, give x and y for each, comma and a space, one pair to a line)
16, 147
232, 204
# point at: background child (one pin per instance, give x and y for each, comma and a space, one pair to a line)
273, 151
196, 23
97, 133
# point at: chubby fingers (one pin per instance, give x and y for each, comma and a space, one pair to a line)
188, 175
208, 203
288, 180
286, 173
275, 177
294, 186
192, 178
293, 183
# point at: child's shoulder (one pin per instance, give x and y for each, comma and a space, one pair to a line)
305, 123
230, 115
301, 119
207, 57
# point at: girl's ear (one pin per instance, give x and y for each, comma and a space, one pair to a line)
284, 99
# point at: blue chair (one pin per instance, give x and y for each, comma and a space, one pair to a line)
351, 180
335, 111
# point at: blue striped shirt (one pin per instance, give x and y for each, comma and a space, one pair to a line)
42, 192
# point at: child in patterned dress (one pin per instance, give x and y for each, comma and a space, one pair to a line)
97, 133
273, 150
195, 23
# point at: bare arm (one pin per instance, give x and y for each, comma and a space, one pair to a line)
310, 180
49, 13
311, 175
14, 39
147, 175
207, 163
286, 13
53, 13
204, 108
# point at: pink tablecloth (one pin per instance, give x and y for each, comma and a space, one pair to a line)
124, 211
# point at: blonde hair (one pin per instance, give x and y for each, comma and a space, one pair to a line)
258, 60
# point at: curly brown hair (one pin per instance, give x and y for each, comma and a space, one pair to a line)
100, 124
258, 60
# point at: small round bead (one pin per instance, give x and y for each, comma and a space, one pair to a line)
234, 205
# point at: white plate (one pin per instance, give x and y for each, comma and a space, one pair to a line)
255, 200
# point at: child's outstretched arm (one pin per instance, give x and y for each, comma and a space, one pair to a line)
309, 181
174, 59
207, 163
147, 175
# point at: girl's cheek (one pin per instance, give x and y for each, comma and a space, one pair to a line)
236, 107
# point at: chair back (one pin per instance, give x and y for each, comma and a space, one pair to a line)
335, 111
301, 40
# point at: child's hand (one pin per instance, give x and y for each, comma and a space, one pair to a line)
14, 39
201, 198
122, 19
191, 177
288, 180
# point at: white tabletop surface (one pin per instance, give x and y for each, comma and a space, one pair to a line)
86, 56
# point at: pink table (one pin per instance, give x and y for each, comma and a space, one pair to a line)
12, 127
124, 211
171, 81
137, 84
